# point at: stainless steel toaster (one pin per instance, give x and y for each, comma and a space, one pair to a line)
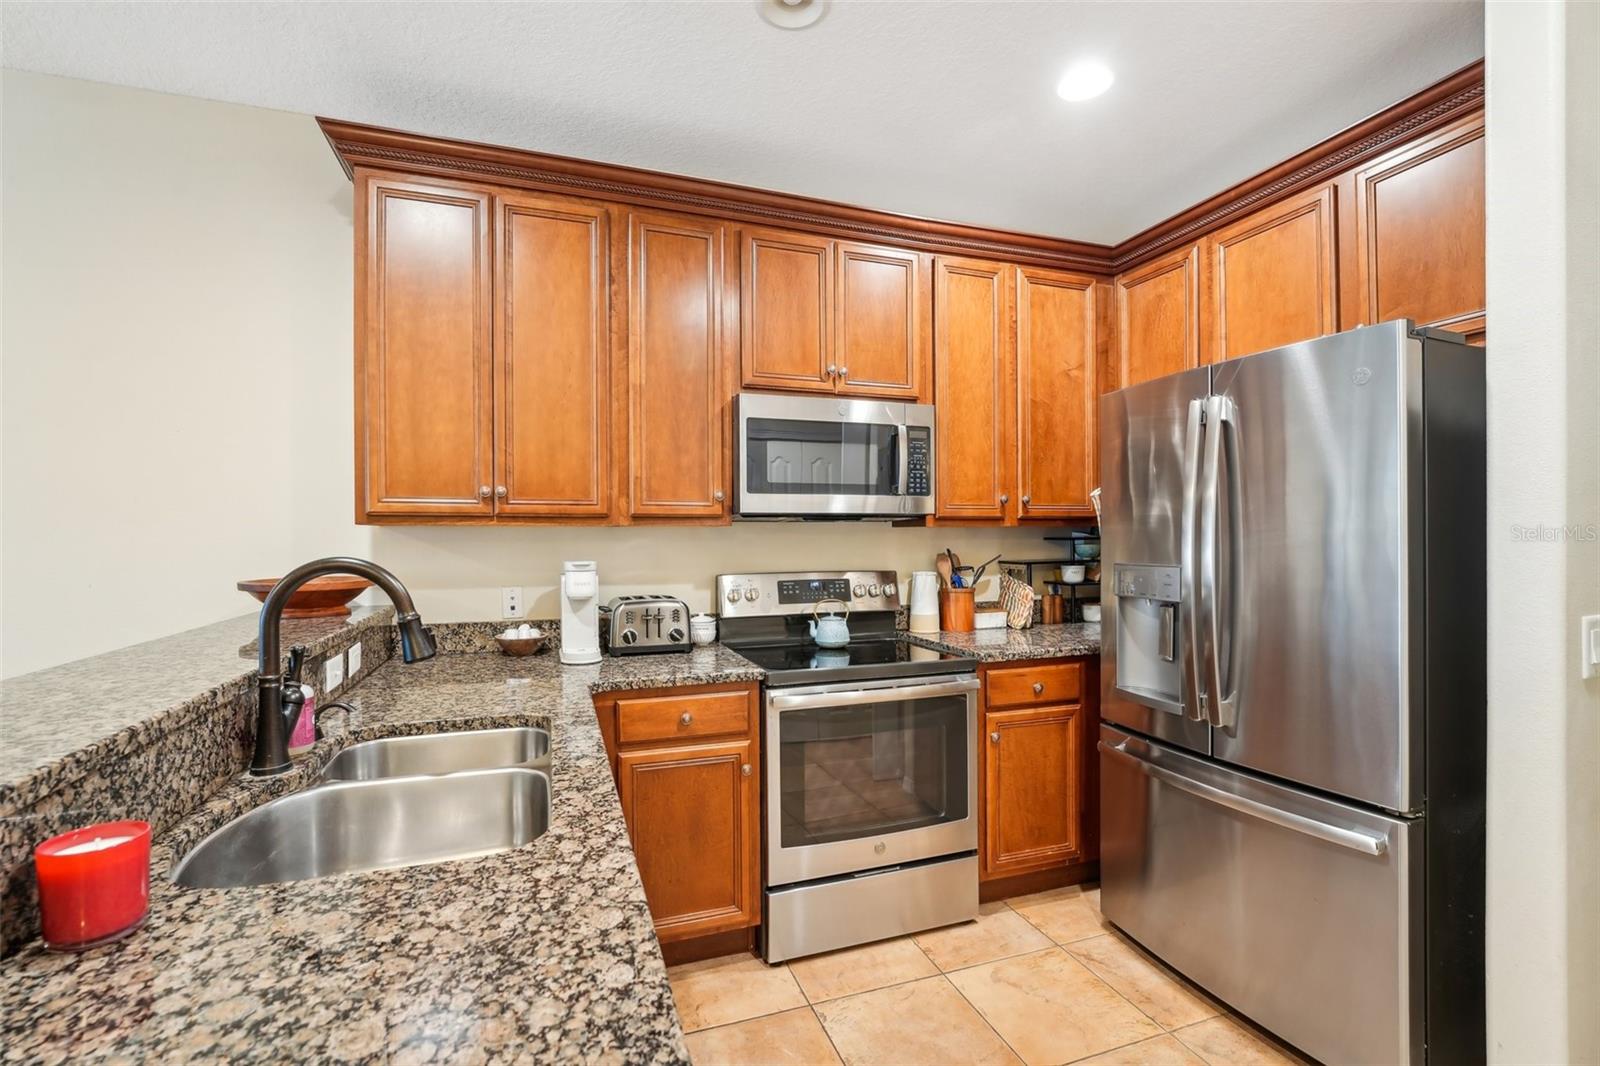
637, 624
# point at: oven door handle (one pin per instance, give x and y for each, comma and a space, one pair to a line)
857, 696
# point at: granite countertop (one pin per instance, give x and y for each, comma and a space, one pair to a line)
60, 721
542, 953
1006, 645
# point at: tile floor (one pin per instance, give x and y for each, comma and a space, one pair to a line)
1040, 979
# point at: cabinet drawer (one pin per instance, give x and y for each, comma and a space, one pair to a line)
659, 718
1024, 685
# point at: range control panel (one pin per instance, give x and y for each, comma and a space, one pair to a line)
756, 595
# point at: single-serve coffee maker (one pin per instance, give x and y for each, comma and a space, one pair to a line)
580, 612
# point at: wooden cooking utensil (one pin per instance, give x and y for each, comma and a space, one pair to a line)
942, 564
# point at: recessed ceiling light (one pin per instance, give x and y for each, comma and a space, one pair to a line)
791, 14
1085, 80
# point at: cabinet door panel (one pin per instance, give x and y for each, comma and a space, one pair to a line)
692, 815
1158, 320
1056, 393
552, 357
878, 322
425, 424
679, 422
1032, 780
1420, 232
1272, 277
973, 386
786, 310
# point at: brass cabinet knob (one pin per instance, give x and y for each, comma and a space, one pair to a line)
686, 718
1038, 687
719, 496
483, 492
745, 769
995, 737
500, 492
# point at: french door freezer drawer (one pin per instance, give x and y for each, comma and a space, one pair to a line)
1303, 913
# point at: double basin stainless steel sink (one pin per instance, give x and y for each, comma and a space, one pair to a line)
402, 801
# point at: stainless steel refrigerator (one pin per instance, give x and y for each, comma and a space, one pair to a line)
1292, 740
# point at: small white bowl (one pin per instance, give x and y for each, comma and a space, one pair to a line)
1073, 575
1091, 612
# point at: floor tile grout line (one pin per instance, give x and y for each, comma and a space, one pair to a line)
829, 1036
984, 1018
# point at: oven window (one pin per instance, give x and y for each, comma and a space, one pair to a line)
847, 772
791, 456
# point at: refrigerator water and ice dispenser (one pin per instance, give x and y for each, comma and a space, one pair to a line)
1147, 635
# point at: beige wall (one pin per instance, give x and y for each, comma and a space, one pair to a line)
1543, 176
177, 393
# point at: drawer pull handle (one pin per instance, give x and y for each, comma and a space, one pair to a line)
686, 718
745, 769
1038, 687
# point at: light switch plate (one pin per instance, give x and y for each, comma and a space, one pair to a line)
1589, 645
332, 673
352, 660
511, 602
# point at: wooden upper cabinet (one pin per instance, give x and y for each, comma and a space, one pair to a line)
880, 335
1033, 787
1272, 277
1056, 394
425, 417
818, 315
680, 387
1420, 232
552, 357
1158, 317
786, 311
693, 816
974, 388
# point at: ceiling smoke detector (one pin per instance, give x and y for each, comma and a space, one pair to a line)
792, 14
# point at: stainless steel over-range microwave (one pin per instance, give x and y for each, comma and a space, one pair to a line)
828, 457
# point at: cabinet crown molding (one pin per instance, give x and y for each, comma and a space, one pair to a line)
359, 145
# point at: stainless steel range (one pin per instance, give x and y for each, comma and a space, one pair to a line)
871, 784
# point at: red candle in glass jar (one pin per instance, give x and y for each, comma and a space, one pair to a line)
94, 884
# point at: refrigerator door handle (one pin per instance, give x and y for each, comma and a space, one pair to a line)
1189, 607
1354, 839
1222, 417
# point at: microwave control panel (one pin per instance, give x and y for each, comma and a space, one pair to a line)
919, 447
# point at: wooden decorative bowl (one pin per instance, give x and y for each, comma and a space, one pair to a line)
321, 597
520, 646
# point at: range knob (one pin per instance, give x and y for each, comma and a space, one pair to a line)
752, 594
630, 636
873, 590
860, 591
675, 636
733, 595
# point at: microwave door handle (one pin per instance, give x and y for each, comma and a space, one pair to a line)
1189, 606
855, 697
902, 455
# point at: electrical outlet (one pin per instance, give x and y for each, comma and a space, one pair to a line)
1589, 646
511, 602
332, 673
352, 660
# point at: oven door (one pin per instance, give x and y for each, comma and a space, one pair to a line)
821, 456
869, 774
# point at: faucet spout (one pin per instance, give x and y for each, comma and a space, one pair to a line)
275, 713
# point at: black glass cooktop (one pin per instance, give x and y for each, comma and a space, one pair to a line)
804, 663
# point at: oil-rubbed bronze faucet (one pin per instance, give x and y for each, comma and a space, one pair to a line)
278, 709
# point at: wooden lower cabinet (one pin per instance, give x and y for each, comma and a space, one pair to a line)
692, 816
1038, 809
692, 801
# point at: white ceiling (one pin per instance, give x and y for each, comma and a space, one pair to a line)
945, 109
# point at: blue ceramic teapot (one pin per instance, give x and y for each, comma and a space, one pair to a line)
831, 631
